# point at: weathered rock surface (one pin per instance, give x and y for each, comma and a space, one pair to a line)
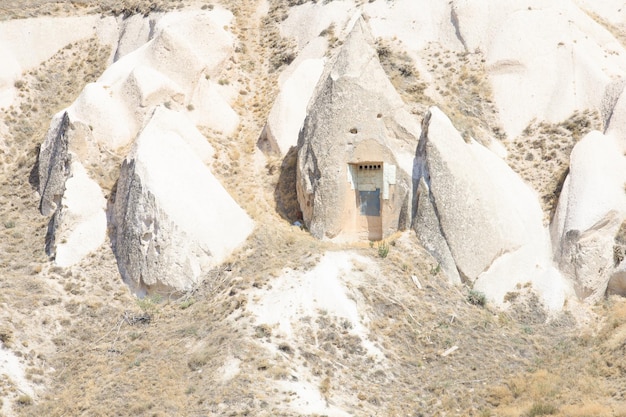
75, 201
564, 63
355, 117
80, 224
172, 220
297, 84
429, 232
484, 208
54, 164
477, 216
183, 51
591, 208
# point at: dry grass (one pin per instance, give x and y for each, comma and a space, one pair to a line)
541, 154
403, 75
21, 9
459, 87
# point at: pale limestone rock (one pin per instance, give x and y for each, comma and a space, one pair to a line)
134, 31
98, 129
564, 62
297, 84
75, 201
479, 219
172, 220
305, 22
355, 122
212, 110
615, 114
591, 208
82, 221
484, 208
430, 235
617, 282
415, 23
170, 69
611, 10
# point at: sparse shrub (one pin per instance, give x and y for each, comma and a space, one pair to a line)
187, 303
325, 386
197, 361
9, 224
477, 298
383, 249
6, 336
150, 303
24, 400
284, 347
542, 409
262, 330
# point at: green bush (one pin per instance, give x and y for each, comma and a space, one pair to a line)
383, 249
542, 409
477, 298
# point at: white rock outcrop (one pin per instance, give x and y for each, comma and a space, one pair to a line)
297, 84
171, 219
564, 62
356, 121
26, 43
591, 209
480, 217
87, 142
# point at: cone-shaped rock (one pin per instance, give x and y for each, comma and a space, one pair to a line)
355, 151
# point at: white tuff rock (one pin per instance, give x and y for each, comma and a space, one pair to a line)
172, 220
591, 208
480, 215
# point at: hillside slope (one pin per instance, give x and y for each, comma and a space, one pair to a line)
289, 325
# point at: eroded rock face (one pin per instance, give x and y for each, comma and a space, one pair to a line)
54, 165
356, 140
70, 196
479, 219
288, 112
591, 208
429, 232
484, 209
172, 221
164, 61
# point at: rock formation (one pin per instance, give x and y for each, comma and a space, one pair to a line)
355, 149
565, 63
289, 109
591, 209
171, 220
75, 201
476, 215
127, 109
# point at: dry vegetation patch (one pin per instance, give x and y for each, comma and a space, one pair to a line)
541, 154
22, 9
594, 386
459, 86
